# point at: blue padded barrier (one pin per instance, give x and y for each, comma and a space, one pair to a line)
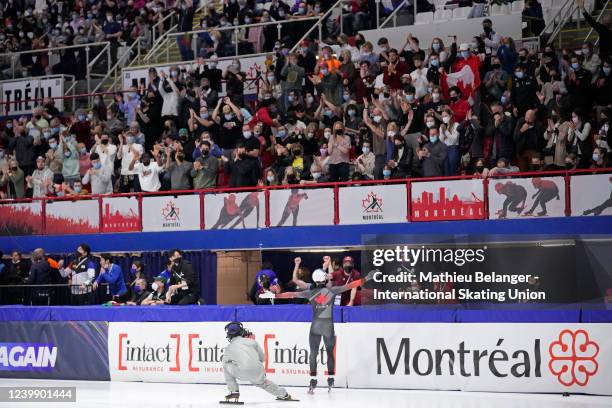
143, 313
280, 313
398, 314
518, 316
20, 313
596, 316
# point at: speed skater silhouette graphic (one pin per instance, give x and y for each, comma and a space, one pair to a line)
293, 206
515, 198
547, 190
229, 211
602, 207
250, 202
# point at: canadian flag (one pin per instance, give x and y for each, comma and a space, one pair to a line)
465, 76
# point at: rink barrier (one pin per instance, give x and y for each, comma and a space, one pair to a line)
506, 313
371, 202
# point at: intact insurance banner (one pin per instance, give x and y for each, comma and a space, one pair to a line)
248, 65
193, 352
21, 219
591, 195
120, 214
57, 350
73, 217
498, 357
300, 207
234, 210
448, 200
20, 96
375, 204
526, 197
171, 213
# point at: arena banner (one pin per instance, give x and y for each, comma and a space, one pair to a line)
193, 352
526, 197
54, 350
591, 194
234, 210
249, 65
72, 217
300, 207
171, 213
375, 204
21, 218
20, 95
494, 357
448, 200
120, 214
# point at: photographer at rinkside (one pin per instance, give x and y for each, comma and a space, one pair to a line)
185, 283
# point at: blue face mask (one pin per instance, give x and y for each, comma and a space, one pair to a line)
346, 97
387, 173
77, 189
228, 116
97, 166
465, 54
324, 71
137, 288
204, 115
328, 113
281, 133
290, 98
67, 154
519, 74
9, 125
434, 63
351, 112
53, 146
433, 139
83, 150
503, 100
575, 66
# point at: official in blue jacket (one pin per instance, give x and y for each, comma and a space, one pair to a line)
111, 274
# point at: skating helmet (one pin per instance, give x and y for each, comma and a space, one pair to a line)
234, 329
319, 276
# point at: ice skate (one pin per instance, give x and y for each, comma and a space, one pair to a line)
287, 397
330, 384
232, 398
312, 386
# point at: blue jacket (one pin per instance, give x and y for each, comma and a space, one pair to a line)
114, 278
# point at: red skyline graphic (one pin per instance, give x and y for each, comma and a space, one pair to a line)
114, 220
425, 208
67, 225
20, 221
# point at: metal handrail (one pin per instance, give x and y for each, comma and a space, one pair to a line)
318, 25
160, 23
558, 21
65, 47
598, 19
113, 70
393, 14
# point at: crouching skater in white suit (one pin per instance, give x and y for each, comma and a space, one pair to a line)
243, 360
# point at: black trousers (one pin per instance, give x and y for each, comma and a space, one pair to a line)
339, 172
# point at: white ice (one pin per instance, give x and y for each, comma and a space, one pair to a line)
92, 394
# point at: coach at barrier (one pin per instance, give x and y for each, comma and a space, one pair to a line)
185, 284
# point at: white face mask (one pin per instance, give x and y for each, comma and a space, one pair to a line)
446, 119
431, 124
154, 286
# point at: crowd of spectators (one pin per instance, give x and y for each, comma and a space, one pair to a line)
85, 274
331, 111
33, 25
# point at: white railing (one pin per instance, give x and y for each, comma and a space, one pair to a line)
557, 22
393, 15
319, 24
598, 19
160, 25
115, 69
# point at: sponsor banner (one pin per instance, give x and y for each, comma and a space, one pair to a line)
18, 97
375, 204
300, 207
21, 219
171, 213
234, 210
591, 195
120, 214
447, 200
72, 217
193, 352
527, 197
574, 358
57, 350
249, 65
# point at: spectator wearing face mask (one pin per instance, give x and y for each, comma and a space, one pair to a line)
394, 70
524, 88
328, 84
158, 294
579, 138
345, 275
205, 167
170, 94
128, 148
401, 161
579, 85
22, 147
178, 170
365, 161
185, 287
99, 175
449, 135
13, 178
556, 136
112, 33
496, 80
138, 293
339, 146
230, 123
41, 179
433, 155
528, 139
67, 153
243, 169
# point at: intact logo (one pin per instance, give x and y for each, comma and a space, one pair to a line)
143, 357
372, 206
573, 358
292, 359
171, 214
27, 356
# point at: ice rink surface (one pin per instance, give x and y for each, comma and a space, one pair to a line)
146, 395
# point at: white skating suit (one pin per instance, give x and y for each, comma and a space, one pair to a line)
243, 360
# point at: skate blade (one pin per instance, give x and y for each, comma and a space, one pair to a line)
231, 402
288, 400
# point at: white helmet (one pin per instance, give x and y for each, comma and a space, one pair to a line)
318, 276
